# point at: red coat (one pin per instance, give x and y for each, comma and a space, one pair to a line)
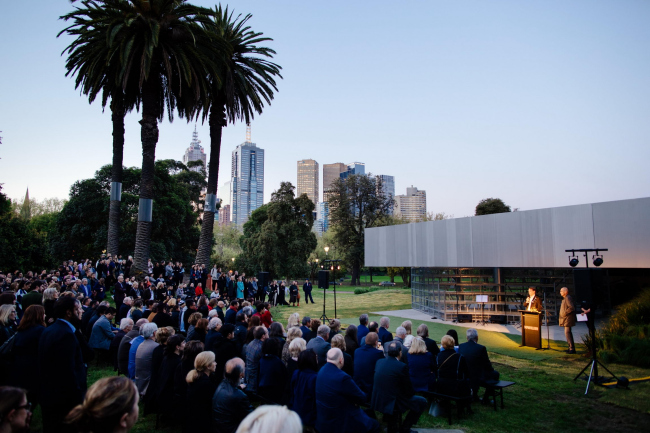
266, 318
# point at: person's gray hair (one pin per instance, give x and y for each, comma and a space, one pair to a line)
323, 331
49, 294
248, 310
268, 418
472, 335
125, 323
296, 346
214, 322
423, 331
363, 319
211, 314
334, 354
384, 322
140, 323
148, 330
400, 331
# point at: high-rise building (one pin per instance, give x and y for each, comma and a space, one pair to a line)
353, 168
224, 215
323, 216
225, 193
413, 205
247, 180
388, 186
308, 179
331, 172
195, 152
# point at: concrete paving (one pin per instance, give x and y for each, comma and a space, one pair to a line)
554, 332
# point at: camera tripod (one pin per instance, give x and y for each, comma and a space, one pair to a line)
593, 364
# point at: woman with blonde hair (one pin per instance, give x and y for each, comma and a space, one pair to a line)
111, 405
338, 341
200, 390
296, 347
294, 321
408, 325
271, 419
292, 334
422, 366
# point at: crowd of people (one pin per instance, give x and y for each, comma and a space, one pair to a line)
202, 359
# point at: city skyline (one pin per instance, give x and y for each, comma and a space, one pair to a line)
532, 103
247, 180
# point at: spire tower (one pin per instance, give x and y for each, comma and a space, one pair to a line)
248, 133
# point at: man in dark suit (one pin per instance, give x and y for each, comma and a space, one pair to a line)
62, 370
478, 362
400, 336
372, 327
230, 405
568, 318
320, 345
336, 398
396, 390
307, 288
533, 302
119, 292
384, 334
362, 329
365, 358
307, 334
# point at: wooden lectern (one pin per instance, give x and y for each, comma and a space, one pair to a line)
531, 329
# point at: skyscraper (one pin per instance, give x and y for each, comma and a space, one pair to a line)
195, 152
388, 186
308, 181
331, 172
353, 168
224, 215
247, 180
413, 205
225, 193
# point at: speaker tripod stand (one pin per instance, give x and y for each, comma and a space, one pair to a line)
593, 365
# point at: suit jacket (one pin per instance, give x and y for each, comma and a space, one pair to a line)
230, 405
478, 362
432, 347
536, 304
362, 331
395, 386
303, 395
101, 335
123, 351
253, 356
384, 335
120, 293
336, 397
567, 312
61, 366
143, 365
307, 334
321, 347
405, 350
365, 359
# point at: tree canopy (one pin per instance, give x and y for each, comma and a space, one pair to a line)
81, 226
356, 203
490, 205
277, 237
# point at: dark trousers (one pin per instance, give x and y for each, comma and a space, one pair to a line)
53, 416
415, 405
569, 337
308, 298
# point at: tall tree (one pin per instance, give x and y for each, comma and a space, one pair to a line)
90, 58
278, 237
162, 46
490, 206
244, 82
356, 203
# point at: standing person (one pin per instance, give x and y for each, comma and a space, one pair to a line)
230, 405
61, 366
533, 302
253, 356
144, 357
214, 273
119, 292
200, 390
7, 322
240, 288
25, 351
568, 318
294, 294
307, 288
15, 410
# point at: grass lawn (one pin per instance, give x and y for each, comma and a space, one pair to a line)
544, 399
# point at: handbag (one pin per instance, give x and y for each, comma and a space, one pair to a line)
6, 350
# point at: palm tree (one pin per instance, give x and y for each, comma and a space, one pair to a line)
89, 57
242, 84
162, 49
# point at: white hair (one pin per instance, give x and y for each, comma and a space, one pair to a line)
212, 313
400, 331
384, 322
148, 330
323, 331
472, 335
271, 419
124, 323
214, 323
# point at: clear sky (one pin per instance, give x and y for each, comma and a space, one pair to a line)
540, 103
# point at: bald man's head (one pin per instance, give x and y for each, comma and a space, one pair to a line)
335, 356
234, 371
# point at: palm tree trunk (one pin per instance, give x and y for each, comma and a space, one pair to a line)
149, 137
206, 241
117, 109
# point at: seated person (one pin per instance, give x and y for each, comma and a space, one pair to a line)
303, 386
453, 375
422, 366
230, 405
365, 358
478, 362
393, 389
336, 398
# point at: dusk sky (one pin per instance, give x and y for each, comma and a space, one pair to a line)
539, 103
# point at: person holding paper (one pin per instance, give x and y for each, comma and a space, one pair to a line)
533, 302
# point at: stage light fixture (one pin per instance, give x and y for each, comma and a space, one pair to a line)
573, 261
598, 261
